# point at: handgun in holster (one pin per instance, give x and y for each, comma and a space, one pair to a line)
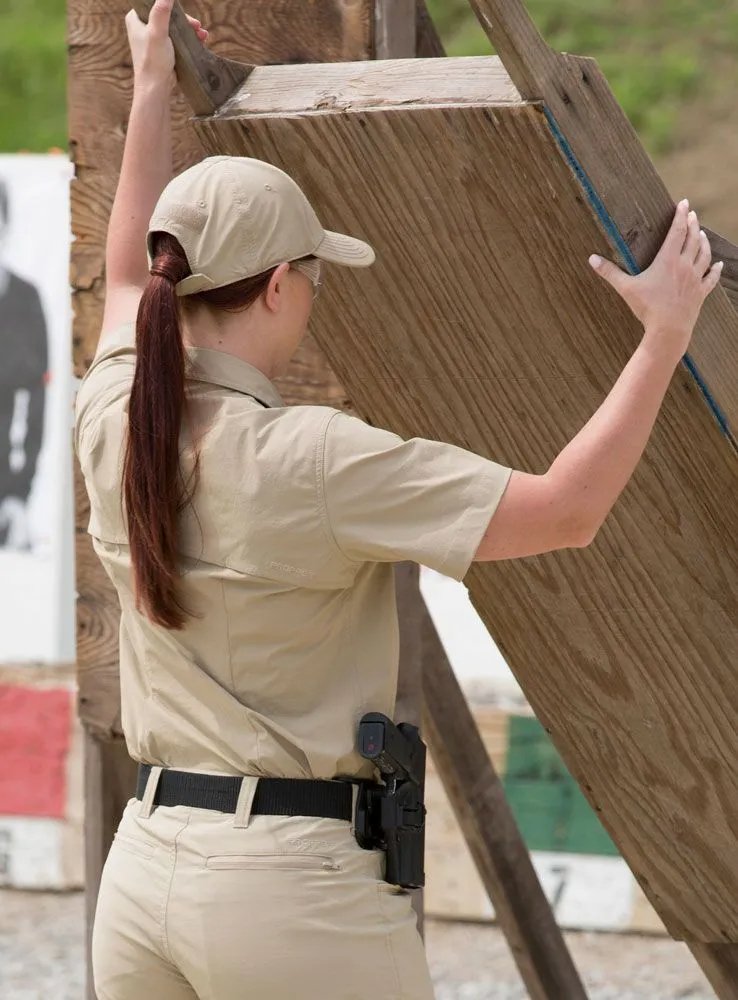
391, 816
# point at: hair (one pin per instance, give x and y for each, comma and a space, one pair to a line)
154, 489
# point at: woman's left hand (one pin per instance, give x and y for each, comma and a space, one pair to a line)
151, 47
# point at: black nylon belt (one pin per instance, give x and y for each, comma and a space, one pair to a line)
274, 796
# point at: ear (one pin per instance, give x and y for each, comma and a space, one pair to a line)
274, 295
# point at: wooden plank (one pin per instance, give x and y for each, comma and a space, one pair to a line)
482, 324
365, 86
478, 798
588, 121
204, 78
394, 29
719, 962
428, 41
727, 252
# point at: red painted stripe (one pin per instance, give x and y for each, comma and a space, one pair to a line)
35, 733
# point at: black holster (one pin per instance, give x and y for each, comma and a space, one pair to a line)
391, 816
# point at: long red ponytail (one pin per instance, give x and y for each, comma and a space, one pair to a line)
154, 489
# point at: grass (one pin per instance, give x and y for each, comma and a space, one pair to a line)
33, 76
657, 54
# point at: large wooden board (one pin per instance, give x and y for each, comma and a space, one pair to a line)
482, 324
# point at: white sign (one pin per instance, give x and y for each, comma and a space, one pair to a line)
36, 509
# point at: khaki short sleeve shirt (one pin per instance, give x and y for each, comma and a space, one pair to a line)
286, 556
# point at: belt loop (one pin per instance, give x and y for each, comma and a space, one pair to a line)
245, 801
147, 802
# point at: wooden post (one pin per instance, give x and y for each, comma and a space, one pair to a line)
395, 29
495, 842
409, 705
395, 37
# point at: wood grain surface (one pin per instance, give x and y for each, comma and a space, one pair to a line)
719, 962
581, 107
206, 79
483, 325
428, 41
395, 29
491, 831
364, 85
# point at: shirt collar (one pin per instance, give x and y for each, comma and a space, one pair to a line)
219, 368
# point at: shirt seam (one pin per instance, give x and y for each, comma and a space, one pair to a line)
322, 492
489, 482
83, 430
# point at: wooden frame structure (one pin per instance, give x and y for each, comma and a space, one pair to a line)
574, 95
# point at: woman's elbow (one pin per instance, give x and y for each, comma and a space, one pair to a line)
583, 532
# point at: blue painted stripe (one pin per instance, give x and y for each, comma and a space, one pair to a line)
614, 233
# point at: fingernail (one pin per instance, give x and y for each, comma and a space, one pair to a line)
721, 264
595, 261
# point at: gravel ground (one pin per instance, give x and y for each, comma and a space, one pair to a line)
42, 958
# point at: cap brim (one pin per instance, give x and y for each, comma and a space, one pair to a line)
338, 249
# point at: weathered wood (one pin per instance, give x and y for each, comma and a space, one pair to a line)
727, 252
486, 820
395, 29
110, 780
483, 325
719, 962
205, 79
428, 42
584, 115
364, 86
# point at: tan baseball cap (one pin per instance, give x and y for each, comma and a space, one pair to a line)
237, 217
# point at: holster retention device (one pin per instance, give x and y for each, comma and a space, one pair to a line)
391, 816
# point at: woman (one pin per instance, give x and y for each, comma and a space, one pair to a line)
253, 562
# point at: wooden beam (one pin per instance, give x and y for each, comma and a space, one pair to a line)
727, 252
486, 820
205, 79
365, 86
395, 29
719, 962
428, 42
622, 183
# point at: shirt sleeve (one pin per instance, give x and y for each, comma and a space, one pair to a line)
109, 377
389, 500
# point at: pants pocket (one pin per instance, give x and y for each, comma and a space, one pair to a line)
299, 862
133, 846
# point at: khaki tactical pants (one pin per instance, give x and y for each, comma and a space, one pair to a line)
196, 903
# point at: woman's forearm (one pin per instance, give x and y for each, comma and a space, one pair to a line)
596, 465
145, 171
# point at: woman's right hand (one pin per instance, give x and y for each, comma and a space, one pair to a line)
667, 297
